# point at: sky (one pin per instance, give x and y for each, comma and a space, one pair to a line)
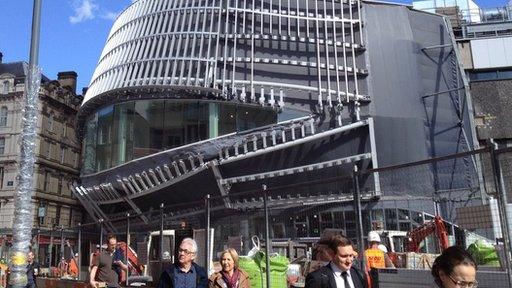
73, 32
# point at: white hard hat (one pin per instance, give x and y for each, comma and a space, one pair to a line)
373, 237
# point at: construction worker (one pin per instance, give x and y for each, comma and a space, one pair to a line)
376, 257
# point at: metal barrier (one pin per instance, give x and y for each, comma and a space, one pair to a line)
469, 190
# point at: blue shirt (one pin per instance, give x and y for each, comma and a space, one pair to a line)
184, 279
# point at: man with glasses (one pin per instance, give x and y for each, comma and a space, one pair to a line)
184, 273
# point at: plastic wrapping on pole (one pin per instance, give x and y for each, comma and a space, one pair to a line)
22, 223
267, 235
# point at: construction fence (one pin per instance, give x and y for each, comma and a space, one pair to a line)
470, 192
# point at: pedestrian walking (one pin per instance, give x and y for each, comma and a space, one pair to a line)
340, 272
455, 267
184, 273
231, 276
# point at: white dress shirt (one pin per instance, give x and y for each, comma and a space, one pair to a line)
340, 283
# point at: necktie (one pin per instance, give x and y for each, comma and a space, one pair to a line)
344, 274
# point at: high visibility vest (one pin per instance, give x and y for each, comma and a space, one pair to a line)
375, 258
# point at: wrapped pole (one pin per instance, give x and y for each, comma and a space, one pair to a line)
22, 223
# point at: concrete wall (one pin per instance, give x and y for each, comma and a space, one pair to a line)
493, 103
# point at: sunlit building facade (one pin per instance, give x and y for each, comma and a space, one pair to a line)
216, 97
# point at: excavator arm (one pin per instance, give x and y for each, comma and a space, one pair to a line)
418, 234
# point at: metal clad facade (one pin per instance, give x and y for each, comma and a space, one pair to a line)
492, 53
251, 50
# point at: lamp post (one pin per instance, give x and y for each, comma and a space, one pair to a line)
22, 223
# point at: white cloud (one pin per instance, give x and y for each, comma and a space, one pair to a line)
110, 15
84, 10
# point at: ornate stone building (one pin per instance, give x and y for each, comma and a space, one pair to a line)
57, 148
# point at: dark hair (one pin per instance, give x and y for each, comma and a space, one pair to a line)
450, 258
111, 236
338, 241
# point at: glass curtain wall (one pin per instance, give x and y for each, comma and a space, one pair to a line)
122, 132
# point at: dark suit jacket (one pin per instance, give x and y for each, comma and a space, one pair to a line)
167, 277
324, 278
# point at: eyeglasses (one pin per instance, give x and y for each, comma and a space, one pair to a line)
464, 284
185, 251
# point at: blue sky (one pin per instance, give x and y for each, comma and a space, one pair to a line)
73, 32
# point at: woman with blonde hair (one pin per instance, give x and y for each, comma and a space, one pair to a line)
231, 276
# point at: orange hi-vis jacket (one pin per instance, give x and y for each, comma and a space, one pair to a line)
375, 258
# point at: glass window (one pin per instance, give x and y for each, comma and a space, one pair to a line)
1, 176
377, 215
46, 184
391, 221
2, 145
173, 125
405, 226
403, 214
506, 74
122, 144
160, 125
326, 217
213, 120
250, 117
350, 216
57, 215
300, 218
48, 150
104, 138
289, 114
50, 122
3, 116
89, 145
64, 129
59, 187
62, 154
486, 75
377, 219
314, 225
6, 87
227, 119
366, 221
148, 123
301, 230
417, 218
339, 220
202, 122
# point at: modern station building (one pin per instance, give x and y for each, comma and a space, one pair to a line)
195, 98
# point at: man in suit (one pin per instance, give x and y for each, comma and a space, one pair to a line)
339, 273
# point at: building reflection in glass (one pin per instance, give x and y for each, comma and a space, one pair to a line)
125, 131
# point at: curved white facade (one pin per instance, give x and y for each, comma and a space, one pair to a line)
252, 50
